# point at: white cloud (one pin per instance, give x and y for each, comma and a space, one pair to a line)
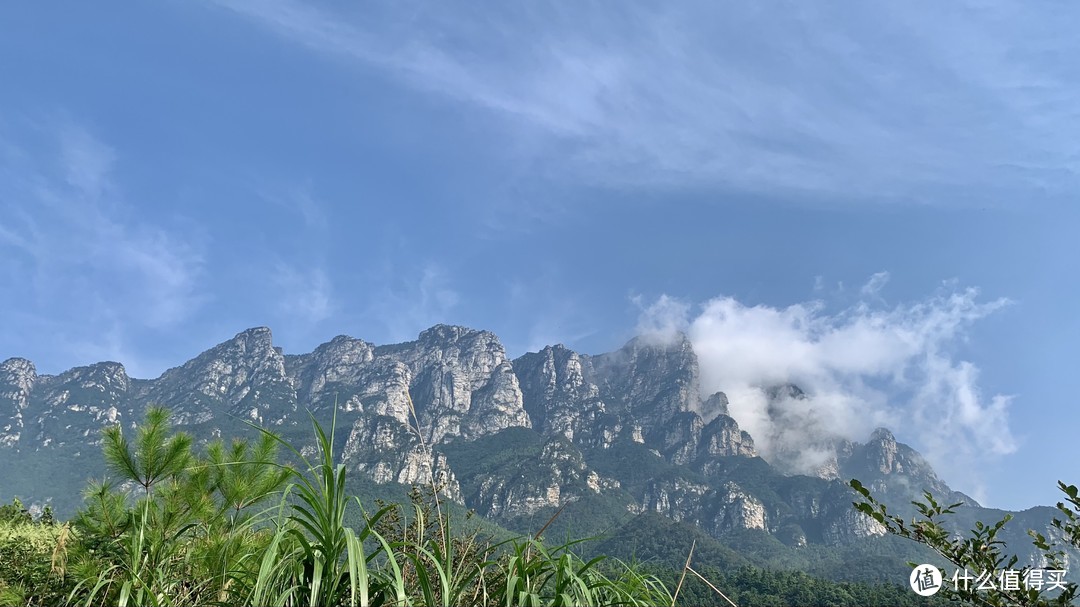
409, 301
662, 319
300, 202
879, 102
550, 314
87, 162
864, 366
83, 261
307, 294
874, 286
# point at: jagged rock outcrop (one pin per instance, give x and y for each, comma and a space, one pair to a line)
244, 376
548, 474
850, 526
716, 509
384, 450
450, 383
648, 382
556, 394
71, 408
340, 364
894, 470
678, 499
17, 378
739, 510
716, 404
510, 439
646, 392
463, 383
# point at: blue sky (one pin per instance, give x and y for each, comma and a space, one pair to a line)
874, 201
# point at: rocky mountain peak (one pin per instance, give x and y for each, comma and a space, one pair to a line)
716, 404
341, 362
17, 379
255, 339
461, 382
677, 343
883, 436
104, 375
530, 434
786, 391
244, 374
443, 334
17, 372
18, 365
652, 378
344, 351
895, 469
556, 393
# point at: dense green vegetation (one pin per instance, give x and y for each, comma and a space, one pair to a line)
28, 576
255, 522
26, 556
608, 516
983, 550
750, 586
231, 525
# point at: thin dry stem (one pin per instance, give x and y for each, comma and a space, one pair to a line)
710, 585
682, 577
431, 469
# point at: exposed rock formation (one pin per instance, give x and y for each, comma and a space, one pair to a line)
506, 438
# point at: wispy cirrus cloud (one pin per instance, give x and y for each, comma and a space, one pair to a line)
924, 102
407, 300
306, 293
78, 257
301, 203
544, 312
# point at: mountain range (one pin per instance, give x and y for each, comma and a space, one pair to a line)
613, 441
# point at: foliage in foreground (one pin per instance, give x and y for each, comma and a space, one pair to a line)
232, 525
981, 551
26, 550
751, 586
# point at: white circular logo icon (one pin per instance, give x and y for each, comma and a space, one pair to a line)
925, 580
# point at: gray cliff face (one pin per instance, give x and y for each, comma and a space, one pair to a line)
851, 526
451, 383
648, 382
17, 378
338, 364
386, 451
463, 386
244, 376
559, 474
79, 402
894, 469
66, 409
556, 395
510, 439
722, 438
645, 393
716, 509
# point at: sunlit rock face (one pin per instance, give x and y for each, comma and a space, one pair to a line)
629, 430
17, 378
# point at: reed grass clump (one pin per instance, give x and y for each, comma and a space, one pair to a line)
235, 524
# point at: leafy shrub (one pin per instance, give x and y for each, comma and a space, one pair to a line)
234, 526
28, 575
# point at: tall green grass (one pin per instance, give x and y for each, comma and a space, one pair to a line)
235, 525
